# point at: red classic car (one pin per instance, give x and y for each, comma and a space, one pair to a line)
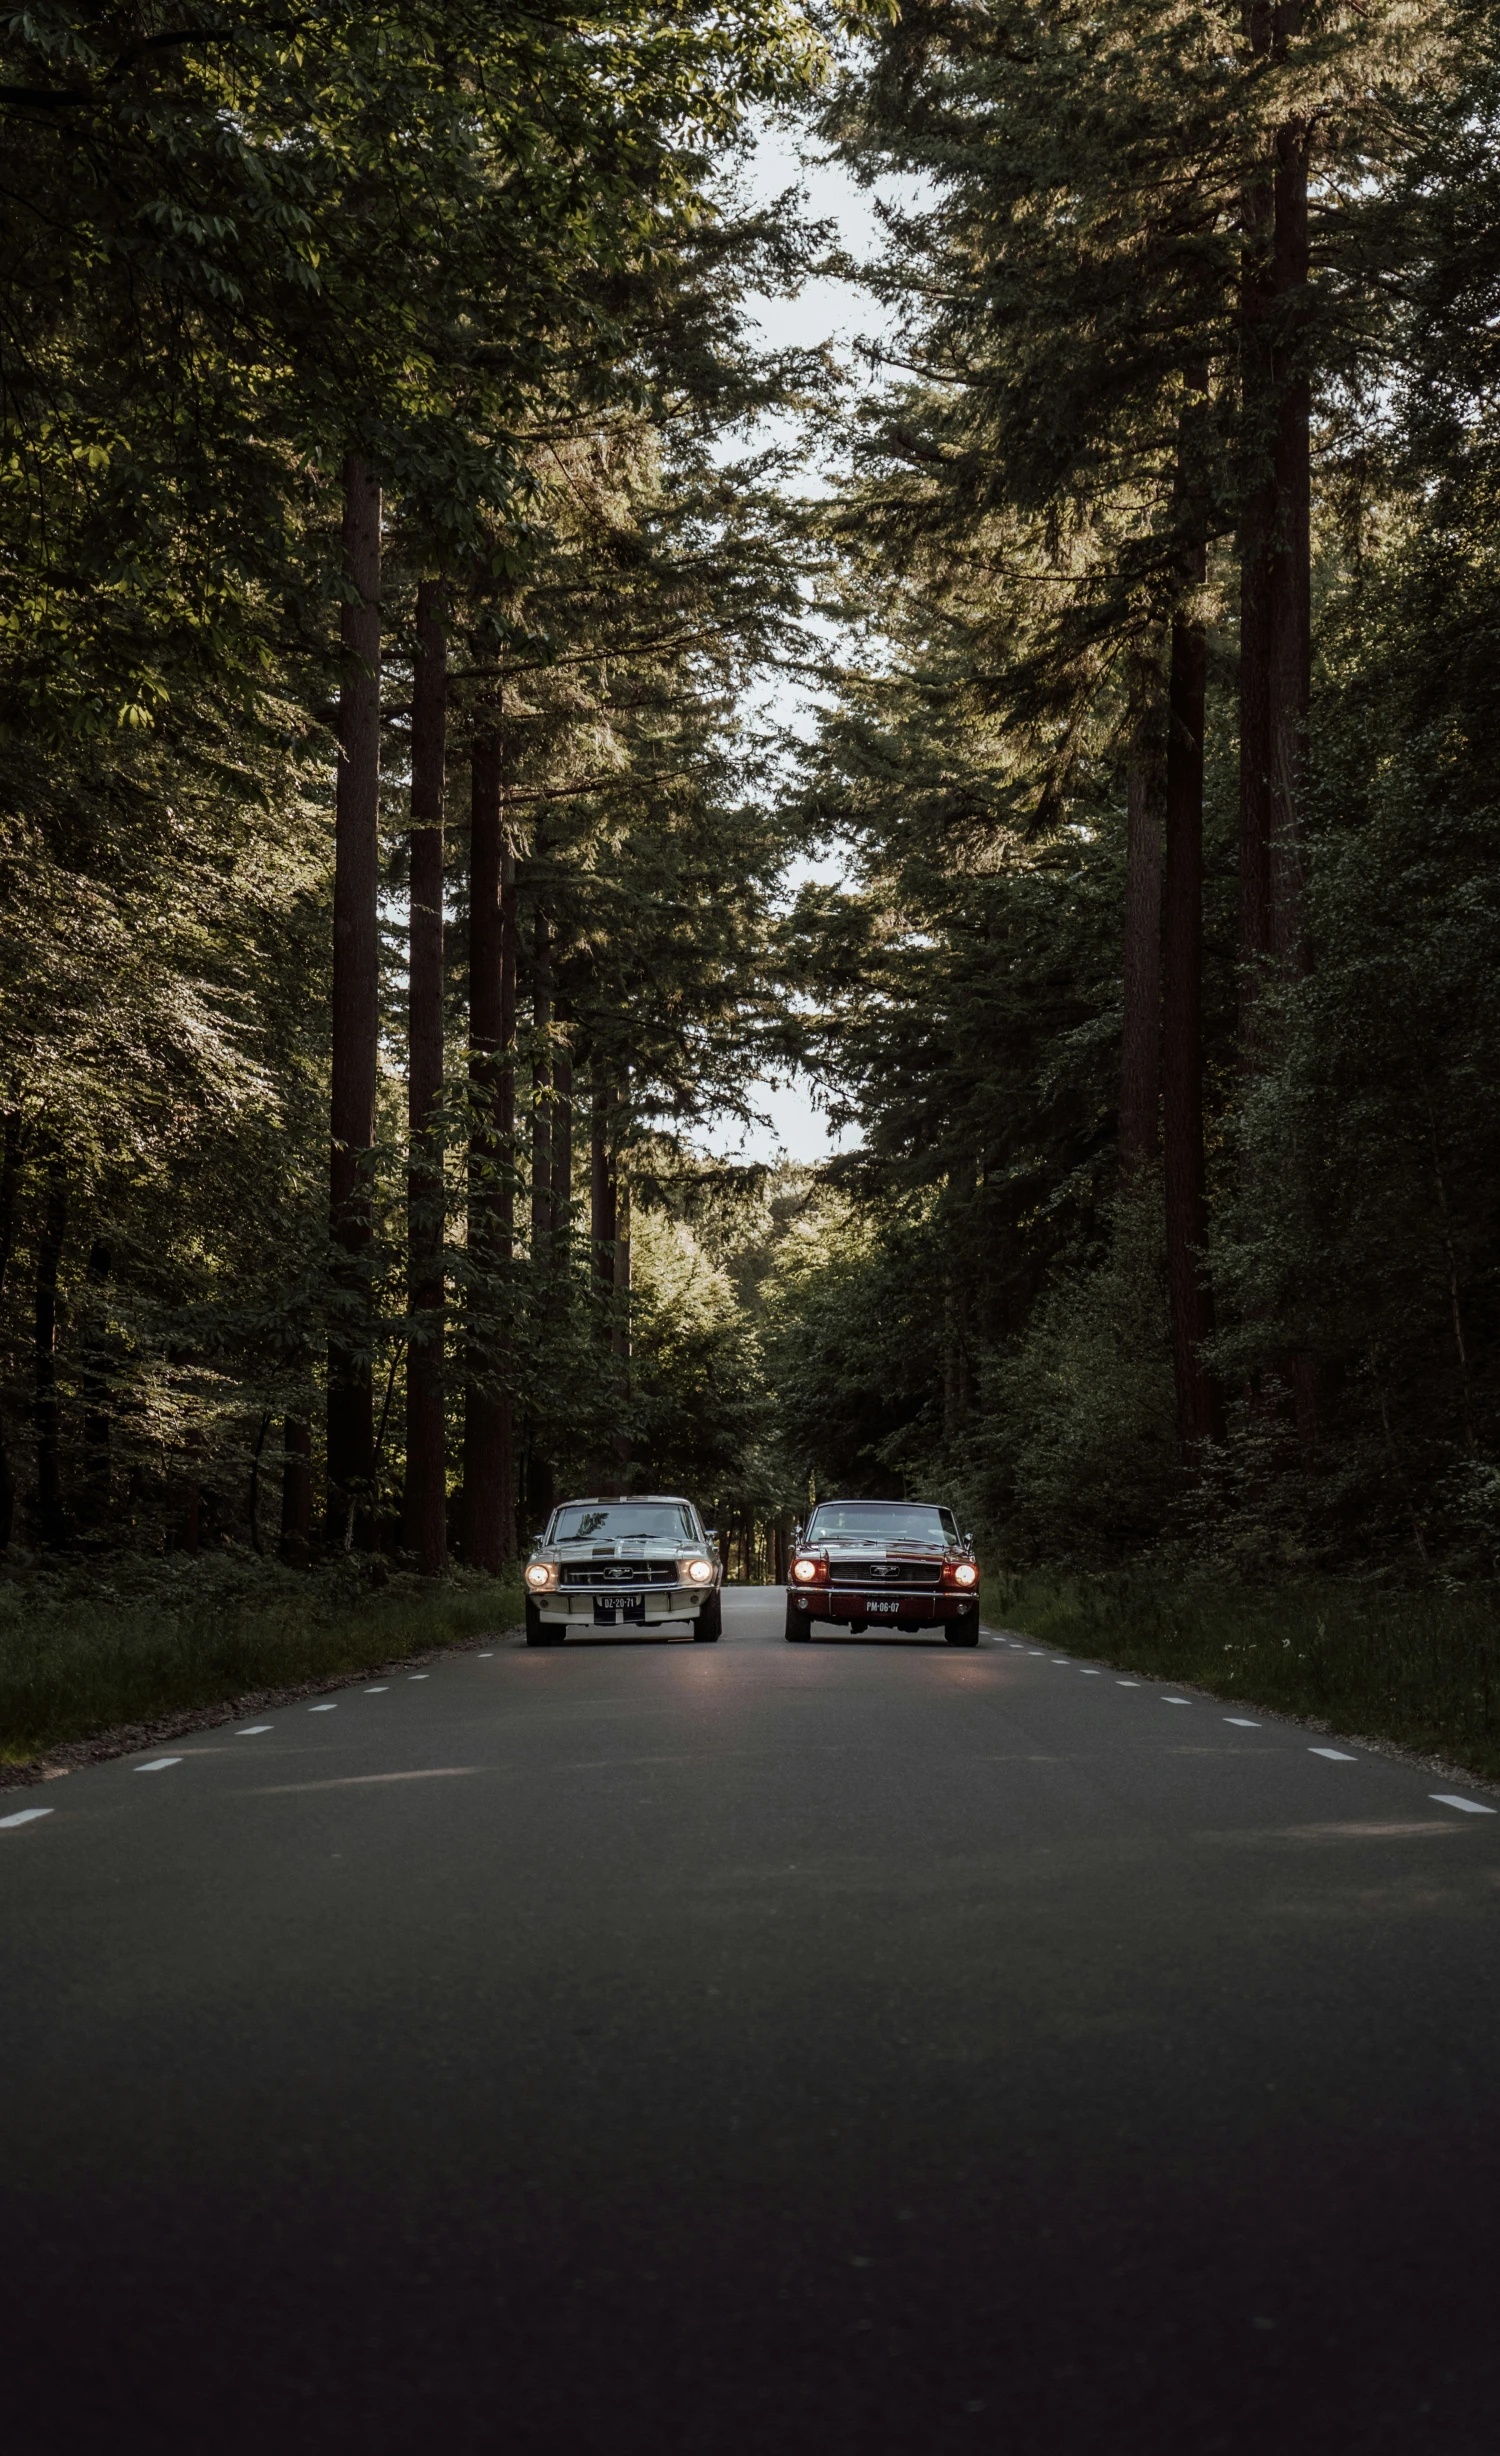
896, 1564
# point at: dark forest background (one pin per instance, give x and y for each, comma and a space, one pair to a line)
393, 869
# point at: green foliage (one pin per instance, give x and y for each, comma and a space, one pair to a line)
1420, 1669
81, 1652
1076, 1439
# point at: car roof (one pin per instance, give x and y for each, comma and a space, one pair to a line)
619, 1500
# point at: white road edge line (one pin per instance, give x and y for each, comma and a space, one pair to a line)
1340, 1756
23, 1816
1445, 1799
158, 1765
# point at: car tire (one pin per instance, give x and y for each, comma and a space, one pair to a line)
709, 1625
965, 1630
798, 1624
538, 1631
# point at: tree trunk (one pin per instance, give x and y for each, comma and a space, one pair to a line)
603, 1227
1140, 1054
602, 1221
620, 1334
1189, 1297
1257, 523
541, 1094
10, 1175
489, 1452
356, 1018
1290, 570
562, 1164
46, 1414
544, 1188
95, 1380
426, 1499
253, 1508
296, 1491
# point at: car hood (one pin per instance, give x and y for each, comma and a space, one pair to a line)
877, 1548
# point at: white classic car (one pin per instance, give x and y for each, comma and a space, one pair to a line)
619, 1562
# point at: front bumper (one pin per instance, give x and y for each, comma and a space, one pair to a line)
916, 1607
576, 1604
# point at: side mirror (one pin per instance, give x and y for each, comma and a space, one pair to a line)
796, 1532
968, 1543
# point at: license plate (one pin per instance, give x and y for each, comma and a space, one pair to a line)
882, 1603
626, 1607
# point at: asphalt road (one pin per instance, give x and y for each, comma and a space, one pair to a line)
862, 2046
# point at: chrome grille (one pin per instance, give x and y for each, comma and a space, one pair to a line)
885, 1573
618, 1573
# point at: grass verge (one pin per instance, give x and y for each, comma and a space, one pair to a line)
89, 1649
1414, 1666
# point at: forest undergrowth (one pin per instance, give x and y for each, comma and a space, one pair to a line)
85, 1649
1417, 1666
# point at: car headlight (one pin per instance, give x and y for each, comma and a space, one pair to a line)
540, 1574
805, 1571
965, 1574
700, 1573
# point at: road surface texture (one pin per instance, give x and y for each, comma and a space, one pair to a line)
864, 2046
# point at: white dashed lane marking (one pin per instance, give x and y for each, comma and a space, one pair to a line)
158, 1765
328, 1709
1127, 1684
1089, 1673
485, 1656
1177, 1701
1340, 1756
380, 1691
23, 1816
1241, 1722
1445, 1799
251, 1731
416, 1675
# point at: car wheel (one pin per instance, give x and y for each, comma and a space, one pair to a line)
798, 1624
964, 1631
538, 1631
710, 1621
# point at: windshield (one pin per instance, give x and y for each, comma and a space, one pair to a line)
917, 1520
611, 1522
